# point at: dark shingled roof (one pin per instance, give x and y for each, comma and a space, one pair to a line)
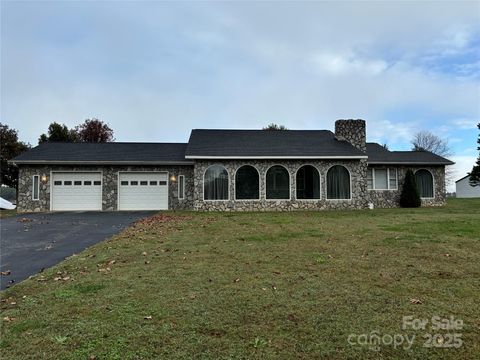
105, 153
377, 154
264, 143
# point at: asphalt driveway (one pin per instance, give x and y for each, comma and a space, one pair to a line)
30, 243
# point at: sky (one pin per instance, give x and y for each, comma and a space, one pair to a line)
155, 70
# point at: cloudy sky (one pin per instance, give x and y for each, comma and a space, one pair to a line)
155, 70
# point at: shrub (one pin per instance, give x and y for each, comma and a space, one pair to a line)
410, 197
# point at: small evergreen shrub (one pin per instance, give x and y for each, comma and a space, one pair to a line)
410, 198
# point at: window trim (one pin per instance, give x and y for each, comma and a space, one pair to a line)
183, 187
319, 180
433, 184
37, 188
326, 183
289, 183
235, 185
388, 179
228, 179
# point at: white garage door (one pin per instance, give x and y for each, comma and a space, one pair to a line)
143, 191
76, 191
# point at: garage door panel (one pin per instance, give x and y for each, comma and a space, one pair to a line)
150, 196
76, 197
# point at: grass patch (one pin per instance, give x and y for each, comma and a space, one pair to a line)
255, 286
7, 213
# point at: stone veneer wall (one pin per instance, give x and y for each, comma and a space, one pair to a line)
109, 185
353, 131
357, 170
391, 198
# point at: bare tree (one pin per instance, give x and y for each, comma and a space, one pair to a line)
427, 141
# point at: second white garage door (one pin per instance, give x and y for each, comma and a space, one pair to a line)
143, 191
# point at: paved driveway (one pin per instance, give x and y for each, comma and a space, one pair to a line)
32, 242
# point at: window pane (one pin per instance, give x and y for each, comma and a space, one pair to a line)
143, 183
247, 183
36, 187
87, 183
278, 183
162, 183
338, 183
153, 183
97, 183
181, 187
393, 179
68, 183
134, 183
215, 186
57, 183
381, 179
124, 183
424, 183
308, 183
77, 183
370, 179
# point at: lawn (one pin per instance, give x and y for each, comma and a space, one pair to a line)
7, 213
258, 286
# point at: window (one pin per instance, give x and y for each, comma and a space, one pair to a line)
67, 183
153, 183
370, 179
308, 183
392, 179
162, 183
338, 183
133, 183
215, 183
247, 183
278, 183
381, 182
124, 183
424, 181
181, 187
77, 183
87, 183
96, 183
57, 183
382, 179
143, 183
36, 187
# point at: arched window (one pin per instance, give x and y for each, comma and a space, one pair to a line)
338, 183
215, 183
247, 183
308, 183
278, 183
424, 181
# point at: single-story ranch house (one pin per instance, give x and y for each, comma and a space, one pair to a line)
229, 170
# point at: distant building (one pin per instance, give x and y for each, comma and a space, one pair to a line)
465, 190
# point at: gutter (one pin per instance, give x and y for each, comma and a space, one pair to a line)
77, 162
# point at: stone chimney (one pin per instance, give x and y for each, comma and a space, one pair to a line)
352, 131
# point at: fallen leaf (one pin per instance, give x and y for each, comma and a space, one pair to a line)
144, 253
236, 280
149, 317
448, 255
415, 301
8, 318
5, 273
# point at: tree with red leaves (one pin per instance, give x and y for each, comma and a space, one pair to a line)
94, 130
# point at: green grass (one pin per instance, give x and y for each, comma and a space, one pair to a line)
255, 286
7, 213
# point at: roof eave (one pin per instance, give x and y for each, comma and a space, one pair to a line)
75, 162
409, 163
207, 157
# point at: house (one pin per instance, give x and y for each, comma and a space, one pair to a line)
463, 189
228, 170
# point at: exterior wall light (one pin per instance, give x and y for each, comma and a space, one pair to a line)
44, 178
173, 178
